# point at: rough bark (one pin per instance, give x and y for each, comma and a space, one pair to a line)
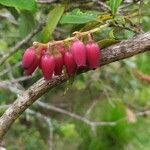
111, 54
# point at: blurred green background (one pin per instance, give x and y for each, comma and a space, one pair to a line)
112, 94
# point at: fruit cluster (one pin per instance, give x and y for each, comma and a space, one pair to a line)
52, 61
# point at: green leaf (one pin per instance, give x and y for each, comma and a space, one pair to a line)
20, 4
111, 34
90, 26
114, 4
26, 23
123, 33
107, 42
78, 17
53, 19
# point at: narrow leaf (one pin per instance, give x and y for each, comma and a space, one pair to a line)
26, 23
107, 42
20, 4
78, 17
114, 4
53, 19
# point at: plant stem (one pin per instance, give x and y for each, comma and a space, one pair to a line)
77, 35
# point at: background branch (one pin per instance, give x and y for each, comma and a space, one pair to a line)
102, 5
21, 43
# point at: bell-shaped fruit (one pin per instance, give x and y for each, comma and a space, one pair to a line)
33, 67
78, 51
28, 58
47, 66
43, 50
93, 55
70, 63
58, 63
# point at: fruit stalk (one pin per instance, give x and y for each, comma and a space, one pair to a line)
77, 35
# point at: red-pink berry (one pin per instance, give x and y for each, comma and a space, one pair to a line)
43, 50
58, 64
69, 63
93, 55
28, 58
78, 50
33, 67
47, 66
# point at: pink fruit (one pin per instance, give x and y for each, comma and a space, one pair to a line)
43, 50
69, 63
58, 64
78, 51
33, 67
47, 66
93, 54
28, 58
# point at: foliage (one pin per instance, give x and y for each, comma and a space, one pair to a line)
78, 17
114, 4
20, 4
53, 18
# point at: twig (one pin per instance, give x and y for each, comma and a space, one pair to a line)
11, 87
20, 79
41, 116
9, 69
10, 74
21, 43
142, 76
77, 35
90, 108
70, 114
49, 123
